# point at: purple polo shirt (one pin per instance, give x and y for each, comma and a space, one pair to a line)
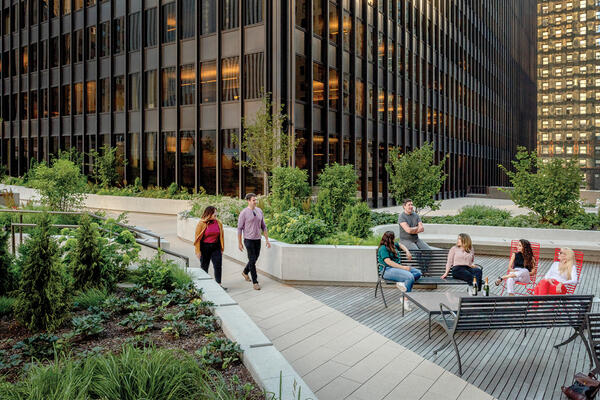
252, 223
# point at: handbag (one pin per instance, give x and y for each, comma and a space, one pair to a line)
583, 388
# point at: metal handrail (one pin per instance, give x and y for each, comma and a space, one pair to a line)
20, 225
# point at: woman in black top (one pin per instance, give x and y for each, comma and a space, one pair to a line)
520, 268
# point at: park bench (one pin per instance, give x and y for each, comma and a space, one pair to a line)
479, 313
593, 324
431, 263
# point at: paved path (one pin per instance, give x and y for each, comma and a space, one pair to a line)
338, 357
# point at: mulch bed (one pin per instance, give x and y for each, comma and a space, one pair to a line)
115, 336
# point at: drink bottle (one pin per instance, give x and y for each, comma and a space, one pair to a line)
474, 288
486, 287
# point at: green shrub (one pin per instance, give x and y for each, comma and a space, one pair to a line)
220, 352
88, 325
583, 221
138, 321
106, 164
359, 223
294, 227
228, 208
337, 190
289, 188
90, 298
43, 301
7, 305
345, 239
132, 374
84, 258
61, 186
175, 329
40, 347
161, 274
381, 218
7, 268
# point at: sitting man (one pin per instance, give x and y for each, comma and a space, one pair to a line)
410, 227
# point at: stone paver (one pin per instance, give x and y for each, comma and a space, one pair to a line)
336, 356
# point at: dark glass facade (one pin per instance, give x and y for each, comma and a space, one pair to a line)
168, 83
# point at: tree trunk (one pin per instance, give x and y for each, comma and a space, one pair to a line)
265, 183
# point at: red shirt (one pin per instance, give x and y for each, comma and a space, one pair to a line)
212, 232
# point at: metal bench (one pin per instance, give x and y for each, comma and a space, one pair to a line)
431, 263
593, 324
516, 312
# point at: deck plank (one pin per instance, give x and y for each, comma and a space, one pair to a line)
505, 364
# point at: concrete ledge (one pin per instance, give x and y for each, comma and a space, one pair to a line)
355, 265
264, 362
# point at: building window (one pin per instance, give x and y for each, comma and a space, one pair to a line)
66, 6
44, 102
24, 99
104, 95
169, 87
187, 155
54, 52
150, 24
229, 162
119, 94
78, 100
230, 78
33, 101
360, 98
208, 160
333, 88
334, 25
150, 159
91, 97
208, 82
318, 19
44, 10
254, 12
208, 17
230, 18
169, 23
168, 158
253, 75
135, 31
188, 19
78, 46
91, 43
43, 50
301, 14
78, 4
301, 84
133, 159
151, 97
118, 35
104, 39
24, 59
54, 102
318, 84
346, 92
134, 91
188, 84
66, 100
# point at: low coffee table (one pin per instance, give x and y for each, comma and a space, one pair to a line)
430, 302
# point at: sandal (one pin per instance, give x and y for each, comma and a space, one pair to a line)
498, 281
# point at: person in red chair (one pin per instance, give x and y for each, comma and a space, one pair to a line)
521, 265
562, 272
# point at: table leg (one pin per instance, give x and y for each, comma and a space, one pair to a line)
429, 326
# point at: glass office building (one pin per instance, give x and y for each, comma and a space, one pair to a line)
168, 82
569, 83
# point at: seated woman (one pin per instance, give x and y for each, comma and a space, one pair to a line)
520, 267
460, 259
562, 272
388, 255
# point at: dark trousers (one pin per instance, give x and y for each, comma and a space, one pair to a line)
466, 273
211, 251
253, 248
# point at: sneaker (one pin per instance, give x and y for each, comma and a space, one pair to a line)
407, 306
256, 286
401, 286
223, 287
246, 277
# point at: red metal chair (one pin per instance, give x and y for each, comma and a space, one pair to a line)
535, 247
579, 265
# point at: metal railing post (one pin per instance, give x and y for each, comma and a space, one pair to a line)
12, 234
21, 229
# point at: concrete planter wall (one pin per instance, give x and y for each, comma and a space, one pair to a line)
115, 203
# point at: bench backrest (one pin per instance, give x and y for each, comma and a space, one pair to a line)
535, 247
578, 263
593, 321
481, 313
430, 262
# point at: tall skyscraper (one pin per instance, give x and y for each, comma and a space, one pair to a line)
569, 83
168, 82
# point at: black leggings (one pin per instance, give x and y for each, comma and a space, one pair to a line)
208, 252
466, 273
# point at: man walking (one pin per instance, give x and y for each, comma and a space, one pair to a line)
252, 223
410, 227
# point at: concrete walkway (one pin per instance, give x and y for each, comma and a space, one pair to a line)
453, 206
337, 357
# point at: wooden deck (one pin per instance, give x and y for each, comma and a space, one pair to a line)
503, 363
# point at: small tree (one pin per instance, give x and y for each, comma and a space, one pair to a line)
7, 273
414, 175
290, 188
550, 190
43, 299
265, 145
337, 190
106, 165
85, 257
62, 186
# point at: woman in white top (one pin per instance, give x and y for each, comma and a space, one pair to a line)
562, 272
